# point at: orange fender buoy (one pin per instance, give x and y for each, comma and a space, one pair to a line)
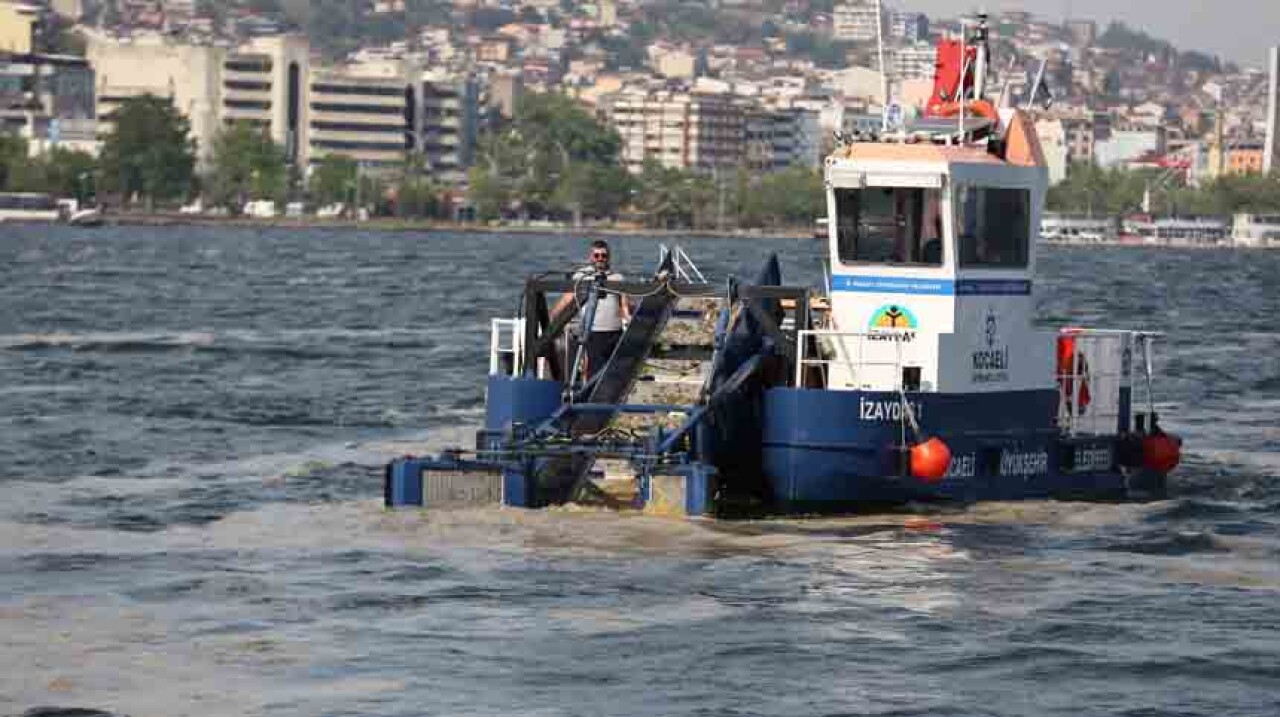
1071, 363
1161, 452
930, 460
977, 108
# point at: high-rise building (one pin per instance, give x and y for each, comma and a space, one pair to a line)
909, 27
367, 118
914, 62
1271, 153
856, 21
781, 138
450, 118
378, 112
188, 75
681, 130
263, 82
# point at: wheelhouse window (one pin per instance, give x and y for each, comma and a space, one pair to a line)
889, 225
994, 225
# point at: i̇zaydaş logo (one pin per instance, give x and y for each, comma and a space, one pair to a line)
991, 364
892, 316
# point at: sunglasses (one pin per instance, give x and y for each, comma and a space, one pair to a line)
600, 255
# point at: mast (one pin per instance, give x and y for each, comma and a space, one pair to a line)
884, 77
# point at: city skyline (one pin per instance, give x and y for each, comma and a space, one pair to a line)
1188, 24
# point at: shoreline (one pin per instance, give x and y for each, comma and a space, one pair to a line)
166, 219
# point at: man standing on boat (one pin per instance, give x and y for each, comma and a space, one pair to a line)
612, 310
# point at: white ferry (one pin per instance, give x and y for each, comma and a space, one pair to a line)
1256, 230
1176, 231
28, 207
1078, 229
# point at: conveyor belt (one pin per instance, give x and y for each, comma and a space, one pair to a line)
612, 386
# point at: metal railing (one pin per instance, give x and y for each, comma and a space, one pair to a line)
685, 269
506, 357
1094, 368
833, 349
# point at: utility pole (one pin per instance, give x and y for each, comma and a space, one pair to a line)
715, 173
1271, 152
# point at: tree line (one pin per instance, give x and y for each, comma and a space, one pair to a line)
554, 160
1093, 190
148, 159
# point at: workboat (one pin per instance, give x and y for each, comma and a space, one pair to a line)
915, 374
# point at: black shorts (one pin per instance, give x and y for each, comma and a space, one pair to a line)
600, 346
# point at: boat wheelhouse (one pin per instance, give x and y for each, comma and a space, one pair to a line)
1078, 229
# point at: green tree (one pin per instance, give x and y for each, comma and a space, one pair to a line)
416, 195
68, 173
333, 180
664, 197
149, 152
553, 156
610, 190
247, 165
792, 197
1093, 190
13, 163
489, 194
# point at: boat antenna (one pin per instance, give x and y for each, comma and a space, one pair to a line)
884, 77
1035, 86
980, 64
964, 74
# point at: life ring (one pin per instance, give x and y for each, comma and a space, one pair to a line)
1072, 364
978, 108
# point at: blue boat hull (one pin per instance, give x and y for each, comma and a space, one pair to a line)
835, 450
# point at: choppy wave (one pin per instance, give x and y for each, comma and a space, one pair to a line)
194, 523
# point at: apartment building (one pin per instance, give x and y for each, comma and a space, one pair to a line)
679, 129
856, 21
914, 62
54, 85
449, 124
369, 119
908, 27
1244, 157
377, 112
189, 75
263, 84
781, 138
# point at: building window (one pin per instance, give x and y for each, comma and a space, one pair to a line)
366, 90
357, 109
994, 225
293, 110
248, 104
248, 65
356, 127
247, 85
888, 225
351, 145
